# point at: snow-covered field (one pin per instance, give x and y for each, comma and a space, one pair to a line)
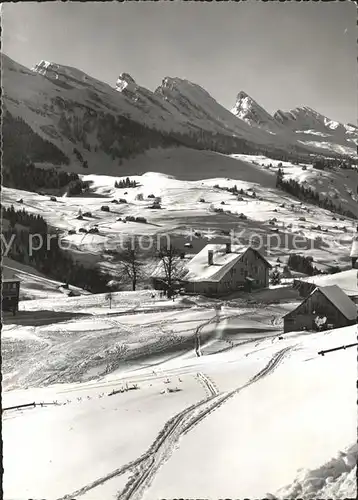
240, 420
92, 340
276, 222
132, 396
297, 417
133, 409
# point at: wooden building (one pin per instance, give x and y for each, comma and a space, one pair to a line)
221, 269
328, 302
218, 269
10, 295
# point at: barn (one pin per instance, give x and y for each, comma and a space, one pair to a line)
219, 269
10, 295
325, 302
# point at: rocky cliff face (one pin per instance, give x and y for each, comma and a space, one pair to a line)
251, 112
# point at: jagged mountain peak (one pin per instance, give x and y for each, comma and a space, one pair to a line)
58, 71
305, 122
179, 85
243, 101
307, 117
243, 95
46, 68
302, 111
171, 81
247, 109
178, 109
67, 76
124, 80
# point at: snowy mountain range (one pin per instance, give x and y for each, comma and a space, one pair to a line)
305, 122
89, 119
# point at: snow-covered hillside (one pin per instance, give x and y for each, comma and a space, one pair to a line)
266, 432
131, 431
66, 106
192, 202
131, 395
106, 124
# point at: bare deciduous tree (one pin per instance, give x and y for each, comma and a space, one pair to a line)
131, 261
171, 263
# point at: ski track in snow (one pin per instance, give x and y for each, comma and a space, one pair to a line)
146, 466
208, 383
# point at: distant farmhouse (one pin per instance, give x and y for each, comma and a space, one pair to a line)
329, 303
10, 291
219, 269
10, 295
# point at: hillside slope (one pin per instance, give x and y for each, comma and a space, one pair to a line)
97, 126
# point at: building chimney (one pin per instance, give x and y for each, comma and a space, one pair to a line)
228, 247
210, 257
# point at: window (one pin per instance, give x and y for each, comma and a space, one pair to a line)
242, 271
255, 269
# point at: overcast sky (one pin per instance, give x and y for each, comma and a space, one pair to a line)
282, 54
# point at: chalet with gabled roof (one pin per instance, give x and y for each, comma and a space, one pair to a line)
329, 302
219, 269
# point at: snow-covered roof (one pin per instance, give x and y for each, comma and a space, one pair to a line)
337, 297
200, 270
341, 300
8, 275
346, 280
354, 250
